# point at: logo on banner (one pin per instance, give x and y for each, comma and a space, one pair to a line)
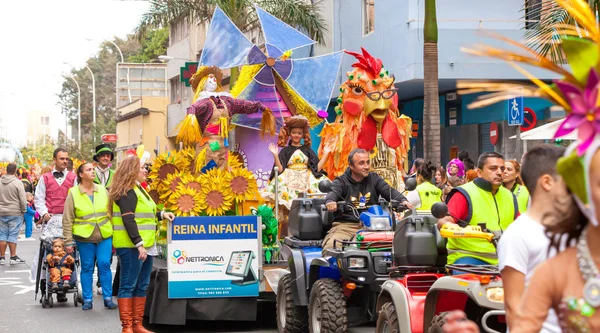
181, 257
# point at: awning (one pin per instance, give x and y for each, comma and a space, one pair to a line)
546, 132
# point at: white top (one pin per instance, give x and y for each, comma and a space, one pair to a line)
414, 198
523, 246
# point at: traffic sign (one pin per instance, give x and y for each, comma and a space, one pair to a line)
529, 120
514, 111
109, 138
494, 133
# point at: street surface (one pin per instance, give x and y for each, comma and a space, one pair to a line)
21, 313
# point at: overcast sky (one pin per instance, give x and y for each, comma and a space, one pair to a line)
37, 37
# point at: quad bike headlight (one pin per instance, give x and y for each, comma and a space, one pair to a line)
378, 224
495, 294
356, 263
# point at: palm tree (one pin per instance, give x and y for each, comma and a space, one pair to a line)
541, 20
431, 109
297, 13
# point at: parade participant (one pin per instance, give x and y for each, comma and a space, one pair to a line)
426, 194
134, 216
29, 215
25, 180
441, 181
524, 244
357, 185
50, 195
60, 264
455, 168
513, 182
86, 222
482, 200
12, 207
415, 167
470, 175
103, 173
207, 122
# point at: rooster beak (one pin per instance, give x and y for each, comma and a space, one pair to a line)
378, 110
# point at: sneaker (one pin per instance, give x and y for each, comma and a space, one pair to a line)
2, 261
16, 260
87, 305
109, 304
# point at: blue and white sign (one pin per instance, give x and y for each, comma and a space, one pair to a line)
212, 257
515, 112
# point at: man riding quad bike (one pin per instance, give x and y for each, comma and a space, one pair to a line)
335, 286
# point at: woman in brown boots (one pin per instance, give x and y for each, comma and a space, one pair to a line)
134, 217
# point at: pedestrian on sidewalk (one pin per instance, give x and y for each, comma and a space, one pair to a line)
50, 195
86, 222
12, 207
29, 215
134, 216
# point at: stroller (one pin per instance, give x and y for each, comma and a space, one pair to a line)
42, 281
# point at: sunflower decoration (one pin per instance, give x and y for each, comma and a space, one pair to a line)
169, 185
214, 175
165, 164
185, 201
242, 184
216, 197
234, 161
153, 191
189, 157
77, 163
191, 181
32, 160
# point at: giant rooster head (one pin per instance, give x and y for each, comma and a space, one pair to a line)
369, 96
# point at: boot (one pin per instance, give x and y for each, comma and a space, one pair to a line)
125, 313
139, 305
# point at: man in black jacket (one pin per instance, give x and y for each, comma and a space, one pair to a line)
358, 187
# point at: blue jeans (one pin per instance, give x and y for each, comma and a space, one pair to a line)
468, 261
89, 253
135, 274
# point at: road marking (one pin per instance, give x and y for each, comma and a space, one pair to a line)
21, 271
24, 289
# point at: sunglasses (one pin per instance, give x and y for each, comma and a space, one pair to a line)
386, 94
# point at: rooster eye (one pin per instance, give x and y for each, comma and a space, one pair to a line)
357, 91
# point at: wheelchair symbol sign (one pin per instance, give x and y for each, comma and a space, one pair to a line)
515, 113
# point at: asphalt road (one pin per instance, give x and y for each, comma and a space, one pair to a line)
20, 312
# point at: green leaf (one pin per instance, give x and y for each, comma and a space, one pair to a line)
571, 169
582, 55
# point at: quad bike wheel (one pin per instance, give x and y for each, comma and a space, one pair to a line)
290, 318
387, 322
437, 323
327, 308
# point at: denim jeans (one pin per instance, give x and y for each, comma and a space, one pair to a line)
135, 274
89, 253
468, 261
9, 228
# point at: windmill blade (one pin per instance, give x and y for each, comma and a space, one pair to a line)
225, 46
267, 95
314, 79
279, 36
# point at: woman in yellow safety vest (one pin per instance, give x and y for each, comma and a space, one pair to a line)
512, 181
86, 224
426, 193
134, 216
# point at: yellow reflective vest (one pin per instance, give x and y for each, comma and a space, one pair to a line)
428, 194
497, 211
522, 195
145, 218
90, 214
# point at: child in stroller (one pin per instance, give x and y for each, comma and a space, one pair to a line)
60, 265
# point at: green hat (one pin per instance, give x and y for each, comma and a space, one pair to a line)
104, 149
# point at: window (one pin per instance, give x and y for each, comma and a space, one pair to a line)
180, 29
175, 90
533, 11
45, 121
368, 16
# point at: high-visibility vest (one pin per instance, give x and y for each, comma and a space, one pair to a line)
522, 195
145, 218
90, 214
429, 194
497, 211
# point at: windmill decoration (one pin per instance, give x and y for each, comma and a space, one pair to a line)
282, 82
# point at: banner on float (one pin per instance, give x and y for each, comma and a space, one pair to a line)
210, 257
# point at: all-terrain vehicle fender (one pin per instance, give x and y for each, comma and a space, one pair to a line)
395, 292
297, 269
317, 272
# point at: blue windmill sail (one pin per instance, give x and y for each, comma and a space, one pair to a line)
279, 36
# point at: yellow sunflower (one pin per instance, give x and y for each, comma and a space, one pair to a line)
169, 185
234, 161
216, 198
165, 164
185, 202
77, 163
242, 184
194, 182
153, 192
189, 157
214, 175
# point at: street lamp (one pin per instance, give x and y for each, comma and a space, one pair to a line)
93, 93
78, 110
116, 73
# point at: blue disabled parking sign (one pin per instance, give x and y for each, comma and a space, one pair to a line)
514, 111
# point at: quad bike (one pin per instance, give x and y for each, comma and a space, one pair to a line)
330, 292
417, 299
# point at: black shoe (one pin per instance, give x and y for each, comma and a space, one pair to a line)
61, 298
